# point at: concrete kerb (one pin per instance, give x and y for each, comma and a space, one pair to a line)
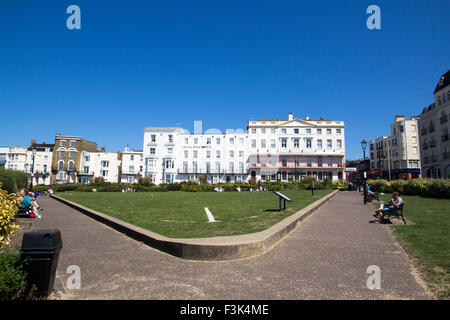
207, 249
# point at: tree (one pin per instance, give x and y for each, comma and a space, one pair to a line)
9, 204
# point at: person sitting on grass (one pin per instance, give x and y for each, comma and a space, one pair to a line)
390, 207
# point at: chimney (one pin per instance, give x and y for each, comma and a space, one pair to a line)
102, 149
291, 116
32, 142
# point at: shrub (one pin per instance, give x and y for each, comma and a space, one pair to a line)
145, 181
9, 204
12, 276
436, 188
13, 180
98, 181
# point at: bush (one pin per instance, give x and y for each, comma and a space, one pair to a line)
13, 180
9, 204
435, 188
12, 276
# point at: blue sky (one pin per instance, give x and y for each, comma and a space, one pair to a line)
165, 63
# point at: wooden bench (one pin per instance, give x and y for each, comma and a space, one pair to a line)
398, 213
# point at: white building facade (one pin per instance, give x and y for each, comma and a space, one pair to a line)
434, 132
132, 165
281, 150
99, 164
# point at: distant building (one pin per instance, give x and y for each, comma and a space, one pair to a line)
132, 165
39, 164
66, 162
99, 164
270, 150
397, 156
434, 132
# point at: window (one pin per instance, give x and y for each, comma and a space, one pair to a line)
170, 138
60, 165
208, 167
195, 140
308, 130
241, 167
231, 167
169, 150
152, 151
319, 144
72, 143
231, 154
329, 144
309, 143
401, 129
217, 140
104, 173
338, 131
330, 161
185, 166
263, 143
208, 140
130, 169
72, 154
241, 141
284, 143
195, 154
44, 169
241, 154
296, 143
283, 130
104, 164
62, 154
231, 140
339, 144
194, 166
273, 129
87, 158
263, 130
62, 143
217, 154
86, 170
273, 143
186, 141
217, 166
62, 175
153, 138
253, 143
71, 166
328, 131
319, 131
296, 131
208, 153
186, 153
254, 130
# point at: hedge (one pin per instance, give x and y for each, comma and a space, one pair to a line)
13, 180
191, 186
434, 188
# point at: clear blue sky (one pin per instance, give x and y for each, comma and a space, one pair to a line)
164, 63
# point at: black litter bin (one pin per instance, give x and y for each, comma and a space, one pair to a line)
40, 250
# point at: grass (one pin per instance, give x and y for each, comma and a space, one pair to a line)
426, 239
182, 214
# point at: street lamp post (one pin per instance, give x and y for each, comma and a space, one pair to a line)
32, 167
364, 145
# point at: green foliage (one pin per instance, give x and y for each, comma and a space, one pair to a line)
9, 204
434, 188
98, 181
13, 180
12, 276
145, 181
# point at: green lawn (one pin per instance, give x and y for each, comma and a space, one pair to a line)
182, 214
426, 239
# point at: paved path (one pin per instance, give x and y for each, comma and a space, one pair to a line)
324, 258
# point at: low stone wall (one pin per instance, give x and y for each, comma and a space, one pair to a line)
209, 249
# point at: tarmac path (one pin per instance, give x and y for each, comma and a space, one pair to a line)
326, 257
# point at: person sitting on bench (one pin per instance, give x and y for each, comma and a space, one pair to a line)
391, 207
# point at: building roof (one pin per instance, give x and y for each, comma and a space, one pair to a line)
443, 82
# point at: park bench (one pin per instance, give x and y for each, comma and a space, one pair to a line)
398, 213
